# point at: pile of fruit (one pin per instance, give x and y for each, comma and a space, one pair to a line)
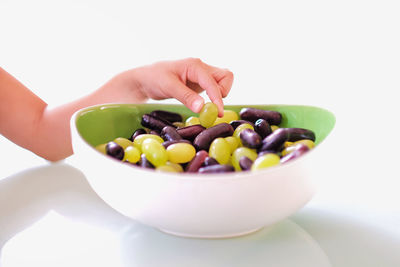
251, 140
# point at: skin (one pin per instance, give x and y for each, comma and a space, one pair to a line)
27, 120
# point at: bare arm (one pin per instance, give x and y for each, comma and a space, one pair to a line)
29, 122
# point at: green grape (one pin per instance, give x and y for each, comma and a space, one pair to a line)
154, 152
229, 115
240, 128
274, 127
265, 161
123, 142
208, 114
140, 139
101, 148
166, 168
240, 152
291, 146
220, 150
309, 143
176, 166
287, 144
233, 142
132, 154
181, 152
179, 124
192, 121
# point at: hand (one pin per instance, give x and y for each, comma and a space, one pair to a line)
183, 80
46, 130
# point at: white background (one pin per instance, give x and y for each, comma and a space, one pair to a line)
340, 55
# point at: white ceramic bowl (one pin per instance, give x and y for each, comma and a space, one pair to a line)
193, 205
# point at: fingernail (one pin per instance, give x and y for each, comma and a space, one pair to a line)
197, 105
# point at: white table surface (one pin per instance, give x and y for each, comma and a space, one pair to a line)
341, 55
50, 216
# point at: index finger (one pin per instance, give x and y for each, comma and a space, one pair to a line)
199, 74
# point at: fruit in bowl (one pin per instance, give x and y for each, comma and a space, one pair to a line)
246, 144
213, 203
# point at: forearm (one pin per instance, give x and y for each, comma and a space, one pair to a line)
29, 122
53, 129
20, 110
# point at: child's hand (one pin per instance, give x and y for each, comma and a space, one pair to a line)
46, 131
183, 80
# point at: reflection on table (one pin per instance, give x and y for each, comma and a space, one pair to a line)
50, 216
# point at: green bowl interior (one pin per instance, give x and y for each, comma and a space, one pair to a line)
100, 124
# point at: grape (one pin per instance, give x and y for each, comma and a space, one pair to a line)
309, 143
229, 115
208, 161
169, 133
241, 152
123, 142
176, 166
180, 152
299, 149
140, 139
190, 132
167, 115
144, 162
250, 138
220, 150
114, 150
233, 143
236, 123
166, 144
265, 161
192, 121
217, 168
197, 161
154, 152
137, 132
287, 150
251, 141
296, 134
245, 163
274, 128
132, 154
101, 148
166, 168
262, 127
208, 114
203, 140
240, 128
154, 123
178, 124
253, 114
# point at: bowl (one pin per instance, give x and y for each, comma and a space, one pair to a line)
194, 205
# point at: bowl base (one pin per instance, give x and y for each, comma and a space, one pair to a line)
205, 236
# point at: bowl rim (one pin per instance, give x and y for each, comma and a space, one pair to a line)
263, 173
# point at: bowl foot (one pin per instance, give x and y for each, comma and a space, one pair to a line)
211, 236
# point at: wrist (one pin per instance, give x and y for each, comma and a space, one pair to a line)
125, 87
132, 82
